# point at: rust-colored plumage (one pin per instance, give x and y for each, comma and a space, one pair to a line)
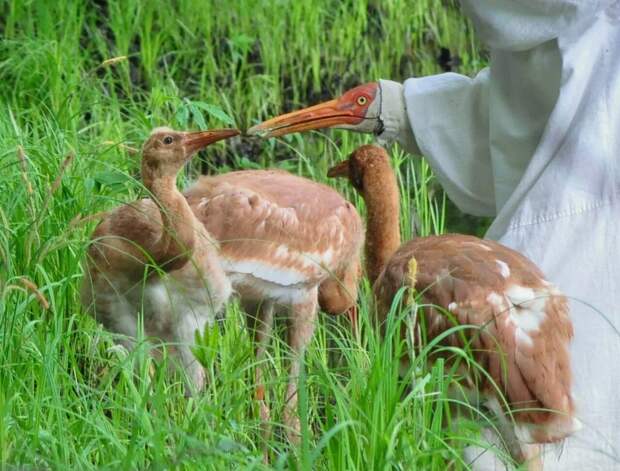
283, 229
383, 227
286, 243
521, 325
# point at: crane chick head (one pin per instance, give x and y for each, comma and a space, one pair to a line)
166, 150
357, 109
367, 168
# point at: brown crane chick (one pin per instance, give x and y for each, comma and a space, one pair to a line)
287, 244
190, 286
523, 322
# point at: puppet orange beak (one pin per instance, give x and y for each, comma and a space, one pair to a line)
324, 115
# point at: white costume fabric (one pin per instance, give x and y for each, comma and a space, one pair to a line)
534, 140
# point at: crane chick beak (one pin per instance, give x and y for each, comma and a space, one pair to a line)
339, 170
195, 141
357, 109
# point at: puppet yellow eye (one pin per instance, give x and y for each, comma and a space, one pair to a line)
362, 100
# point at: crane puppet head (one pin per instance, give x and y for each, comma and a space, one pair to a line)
357, 109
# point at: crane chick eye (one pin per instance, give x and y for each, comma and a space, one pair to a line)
168, 140
362, 100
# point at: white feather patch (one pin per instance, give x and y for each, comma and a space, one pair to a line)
519, 294
497, 301
285, 266
530, 307
284, 276
528, 311
503, 268
512, 315
524, 433
257, 289
522, 337
305, 259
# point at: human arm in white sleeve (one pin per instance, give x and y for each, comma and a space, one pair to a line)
449, 116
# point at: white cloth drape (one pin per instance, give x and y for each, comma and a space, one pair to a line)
534, 140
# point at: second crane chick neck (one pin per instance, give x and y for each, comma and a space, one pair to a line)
370, 172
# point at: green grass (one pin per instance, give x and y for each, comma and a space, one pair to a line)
81, 83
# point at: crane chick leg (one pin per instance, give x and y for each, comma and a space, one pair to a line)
300, 330
260, 323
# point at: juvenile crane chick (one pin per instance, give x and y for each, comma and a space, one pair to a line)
523, 322
190, 286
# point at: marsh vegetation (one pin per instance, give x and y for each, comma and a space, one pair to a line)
81, 85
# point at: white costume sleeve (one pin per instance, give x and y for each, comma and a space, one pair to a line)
517, 25
450, 117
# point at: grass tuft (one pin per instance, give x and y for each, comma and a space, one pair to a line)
82, 83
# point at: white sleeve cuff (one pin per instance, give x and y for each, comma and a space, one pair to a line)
393, 115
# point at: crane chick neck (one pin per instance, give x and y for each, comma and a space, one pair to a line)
372, 175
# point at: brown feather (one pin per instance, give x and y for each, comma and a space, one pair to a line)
285, 221
459, 273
